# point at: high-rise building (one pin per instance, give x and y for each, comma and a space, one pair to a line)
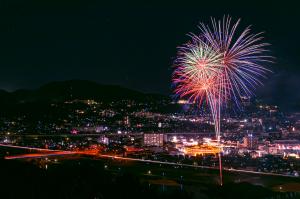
250, 141
154, 139
103, 139
127, 121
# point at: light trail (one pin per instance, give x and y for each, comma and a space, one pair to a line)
194, 166
39, 155
92, 153
50, 152
29, 148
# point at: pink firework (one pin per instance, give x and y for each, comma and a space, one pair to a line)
220, 65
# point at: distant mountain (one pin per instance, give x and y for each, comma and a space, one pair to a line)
74, 89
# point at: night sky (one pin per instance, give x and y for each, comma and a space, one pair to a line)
132, 44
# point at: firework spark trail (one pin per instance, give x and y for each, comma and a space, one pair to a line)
220, 65
242, 56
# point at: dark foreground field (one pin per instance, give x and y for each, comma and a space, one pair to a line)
97, 178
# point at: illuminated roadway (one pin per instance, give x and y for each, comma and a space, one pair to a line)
40, 155
92, 153
194, 166
25, 147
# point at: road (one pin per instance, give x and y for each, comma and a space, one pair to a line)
50, 152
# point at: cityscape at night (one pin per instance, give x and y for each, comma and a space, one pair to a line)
187, 100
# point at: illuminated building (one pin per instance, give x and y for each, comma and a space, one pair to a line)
201, 150
284, 145
183, 102
103, 139
154, 139
250, 141
159, 125
127, 121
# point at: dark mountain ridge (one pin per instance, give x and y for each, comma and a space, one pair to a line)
75, 89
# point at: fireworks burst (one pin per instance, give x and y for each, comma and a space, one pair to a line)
219, 65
